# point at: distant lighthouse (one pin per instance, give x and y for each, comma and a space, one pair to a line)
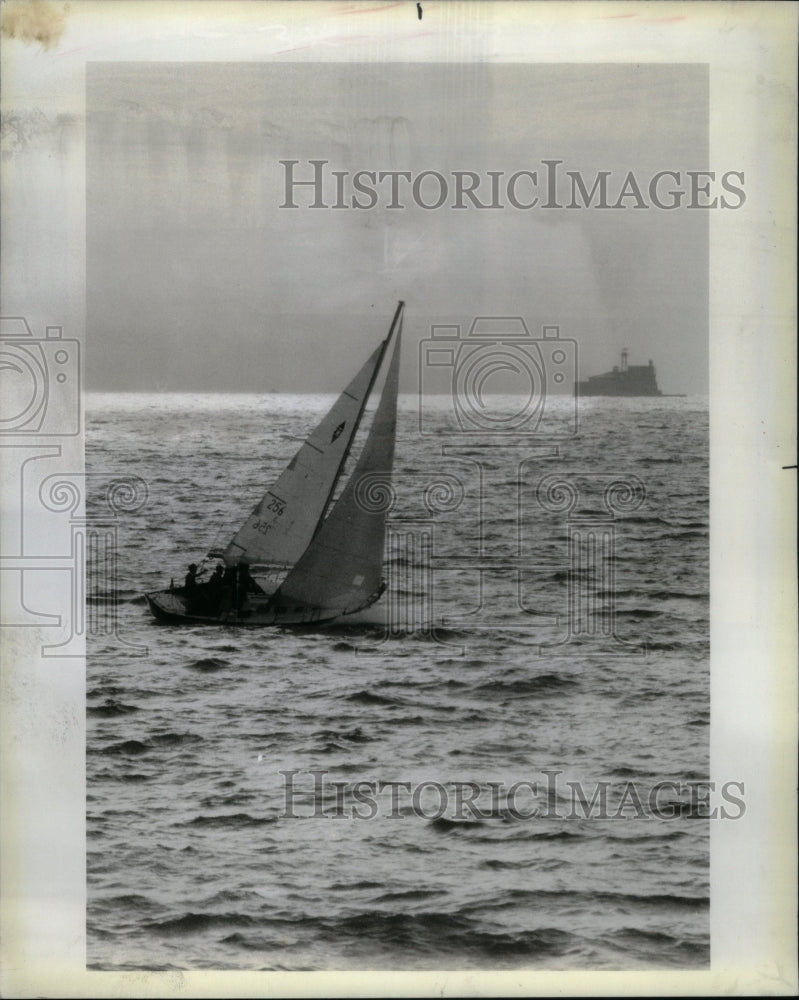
626, 380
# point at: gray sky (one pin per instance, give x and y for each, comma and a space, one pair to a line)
198, 280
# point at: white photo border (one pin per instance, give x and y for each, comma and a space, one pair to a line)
751, 51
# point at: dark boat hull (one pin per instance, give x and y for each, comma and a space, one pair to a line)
172, 608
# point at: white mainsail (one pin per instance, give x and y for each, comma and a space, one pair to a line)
341, 569
282, 524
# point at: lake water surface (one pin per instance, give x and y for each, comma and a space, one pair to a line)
543, 642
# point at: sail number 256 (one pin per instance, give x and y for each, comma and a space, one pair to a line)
277, 506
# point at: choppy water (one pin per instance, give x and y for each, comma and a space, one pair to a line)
192, 860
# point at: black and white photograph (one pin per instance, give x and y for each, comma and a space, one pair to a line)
399, 498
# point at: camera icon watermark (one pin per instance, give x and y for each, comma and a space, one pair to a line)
64, 576
497, 380
39, 381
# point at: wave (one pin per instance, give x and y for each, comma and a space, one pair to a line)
573, 897
409, 895
107, 689
364, 884
443, 825
231, 896
126, 747
217, 801
110, 708
494, 864
130, 899
190, 923
353, 736
136, 747
369, 698
644, 838
643, 934
645, 519
259, 943
208, 664
540, 684
434, 932
668, 595
497, 864
175, 739
679, 535
230, 821
649, 944
409, 720
524, 834
623, 771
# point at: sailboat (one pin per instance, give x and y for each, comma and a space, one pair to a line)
303, 557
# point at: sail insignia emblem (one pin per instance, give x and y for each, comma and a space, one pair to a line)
338, 430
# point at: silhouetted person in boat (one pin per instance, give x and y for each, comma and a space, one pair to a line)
214, 589
192, 587
215, 583
228, 589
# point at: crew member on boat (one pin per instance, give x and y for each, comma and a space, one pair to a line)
215, 590
192, 587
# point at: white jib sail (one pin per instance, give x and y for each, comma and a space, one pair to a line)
341, 569
280, 527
